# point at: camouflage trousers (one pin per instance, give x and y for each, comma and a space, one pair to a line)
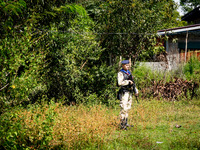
125, 104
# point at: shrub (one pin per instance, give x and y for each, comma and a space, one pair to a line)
168, 84
55, 63
21, 64
192, 72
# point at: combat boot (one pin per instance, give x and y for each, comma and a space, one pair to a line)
123, 124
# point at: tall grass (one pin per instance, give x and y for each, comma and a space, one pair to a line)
192, 72
56, 126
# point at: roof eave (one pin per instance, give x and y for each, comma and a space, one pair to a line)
178, 30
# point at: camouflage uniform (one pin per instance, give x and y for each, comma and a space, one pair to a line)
126, 92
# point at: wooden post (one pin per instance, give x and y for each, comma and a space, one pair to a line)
186, 40
120, 60
129, 62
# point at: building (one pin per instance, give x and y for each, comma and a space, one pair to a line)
192, 17
183, 42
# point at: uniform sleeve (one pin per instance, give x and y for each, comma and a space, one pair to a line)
121, 81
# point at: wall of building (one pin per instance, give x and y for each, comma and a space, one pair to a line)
174, 54
155, 66
173, 51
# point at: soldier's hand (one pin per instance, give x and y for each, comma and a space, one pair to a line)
136, 94
130, 82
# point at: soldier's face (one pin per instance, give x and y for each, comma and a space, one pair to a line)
125, 66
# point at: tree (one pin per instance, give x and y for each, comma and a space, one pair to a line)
72, 49
49, 55
129, 27
57, 49
189, 5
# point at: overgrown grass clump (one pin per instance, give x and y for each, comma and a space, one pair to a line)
56, 126
192, 69
192, 72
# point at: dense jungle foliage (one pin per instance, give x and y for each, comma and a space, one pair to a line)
69, 49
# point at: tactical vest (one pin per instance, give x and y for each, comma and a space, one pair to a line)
127, 77
126, 88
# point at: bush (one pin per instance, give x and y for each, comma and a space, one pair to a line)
144, 76
192, 72
21, 64
52, 63
168, 84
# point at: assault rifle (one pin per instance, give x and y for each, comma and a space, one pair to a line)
133, 86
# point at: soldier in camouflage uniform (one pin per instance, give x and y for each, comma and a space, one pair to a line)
127, 87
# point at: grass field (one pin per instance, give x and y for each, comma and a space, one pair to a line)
154, 126
55, 126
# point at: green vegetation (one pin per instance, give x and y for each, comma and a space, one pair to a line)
61, 49
59, 62
192, 70
56, 126
189, 5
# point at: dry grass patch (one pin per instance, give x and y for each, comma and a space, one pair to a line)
58, 126
81, 124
